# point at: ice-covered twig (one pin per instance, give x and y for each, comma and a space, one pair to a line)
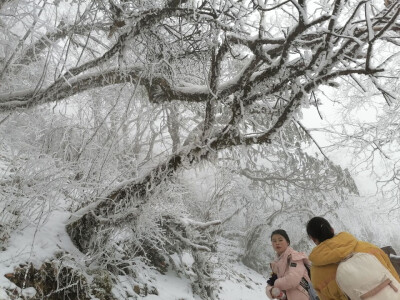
187, 241
200, 225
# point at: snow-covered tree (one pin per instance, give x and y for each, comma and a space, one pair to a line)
147, 89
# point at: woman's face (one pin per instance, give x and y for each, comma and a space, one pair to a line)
279, 243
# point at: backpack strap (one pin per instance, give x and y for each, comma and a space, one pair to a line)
305, 284
378, 288
308, 270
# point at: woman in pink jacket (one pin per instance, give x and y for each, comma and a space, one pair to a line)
289, 271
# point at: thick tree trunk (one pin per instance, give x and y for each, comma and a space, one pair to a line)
86, 223
100, 216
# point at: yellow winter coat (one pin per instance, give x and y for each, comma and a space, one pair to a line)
326, 256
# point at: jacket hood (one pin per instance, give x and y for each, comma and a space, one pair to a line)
333, 250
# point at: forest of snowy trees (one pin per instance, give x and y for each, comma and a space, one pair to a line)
171, 131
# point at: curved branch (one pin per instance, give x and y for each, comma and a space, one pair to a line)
30, 98
67, 89
61, 31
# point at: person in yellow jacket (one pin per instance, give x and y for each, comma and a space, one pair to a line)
332, 249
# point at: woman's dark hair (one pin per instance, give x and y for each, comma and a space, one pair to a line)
320, 229
282, 233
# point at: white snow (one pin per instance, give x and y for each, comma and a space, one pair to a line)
247, 285
36, 245
172, 287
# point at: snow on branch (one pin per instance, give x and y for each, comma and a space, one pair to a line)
31, 53
187, 241
223, 61
65, 88
200, 225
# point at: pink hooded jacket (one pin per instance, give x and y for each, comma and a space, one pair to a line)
290, 270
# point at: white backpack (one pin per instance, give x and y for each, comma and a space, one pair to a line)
362, 276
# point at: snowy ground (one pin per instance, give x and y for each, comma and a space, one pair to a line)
35, 245
251, 287
170, 287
